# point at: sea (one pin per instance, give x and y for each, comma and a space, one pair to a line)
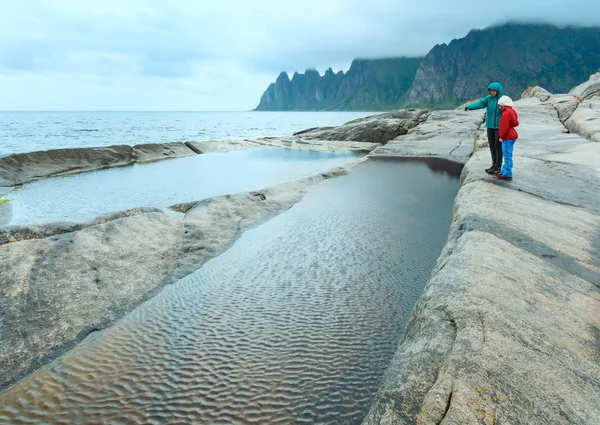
35, 131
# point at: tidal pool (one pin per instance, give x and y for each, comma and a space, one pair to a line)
82, 197
295, 323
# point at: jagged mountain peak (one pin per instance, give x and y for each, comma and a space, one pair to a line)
283, 76
516, 54
363, 87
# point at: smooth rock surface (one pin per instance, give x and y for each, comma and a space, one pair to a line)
499, 336
60, 282
585, 120
150, 152
590, 90
538, 92
507, 330
294, 142
221, 146
25, 167
445, 134
19, 233
579, 115
22, 168
54, 291
565, 105
374, 129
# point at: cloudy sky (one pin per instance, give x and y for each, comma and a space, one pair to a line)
221, 54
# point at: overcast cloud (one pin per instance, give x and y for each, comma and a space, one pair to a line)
222, 54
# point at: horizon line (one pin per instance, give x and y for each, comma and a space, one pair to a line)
117, 110
131, 110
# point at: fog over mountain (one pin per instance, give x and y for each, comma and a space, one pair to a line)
219, 55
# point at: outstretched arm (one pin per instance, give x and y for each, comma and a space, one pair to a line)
481, 103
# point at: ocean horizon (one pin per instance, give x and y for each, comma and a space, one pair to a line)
28, 131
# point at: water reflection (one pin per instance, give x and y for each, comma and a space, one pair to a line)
5, 212
83, 197
296, 323
437, 165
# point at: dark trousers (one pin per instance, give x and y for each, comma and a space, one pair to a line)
495, 147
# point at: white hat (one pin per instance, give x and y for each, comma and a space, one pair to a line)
505, 101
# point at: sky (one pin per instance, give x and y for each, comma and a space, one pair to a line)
221, 55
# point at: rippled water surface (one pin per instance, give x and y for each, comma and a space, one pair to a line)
33, 131
295, 324
82, 197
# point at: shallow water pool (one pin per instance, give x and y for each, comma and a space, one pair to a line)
82, 197
295, 323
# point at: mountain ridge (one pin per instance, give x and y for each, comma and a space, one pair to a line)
515, 54
369, 84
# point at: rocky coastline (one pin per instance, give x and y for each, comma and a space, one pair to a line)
506, 331
102, 269
21, 168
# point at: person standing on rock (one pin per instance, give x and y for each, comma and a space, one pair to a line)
492, 123
508, 135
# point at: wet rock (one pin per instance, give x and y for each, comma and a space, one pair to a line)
507, 330
26, 167
294, 142
212, 225
538, 92
151, 152
183, 208
220, 146
499, 336
334, 173
56, 290
193, 148
19, 233
590, 90
61, 281
373, 129
22, 168
445, 134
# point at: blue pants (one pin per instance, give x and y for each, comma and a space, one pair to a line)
507, 152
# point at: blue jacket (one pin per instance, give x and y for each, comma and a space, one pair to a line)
493, 112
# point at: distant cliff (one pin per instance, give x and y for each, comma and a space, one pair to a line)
368, 85
516, 55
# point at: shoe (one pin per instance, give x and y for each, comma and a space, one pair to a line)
496, 170
503, 177
490, 170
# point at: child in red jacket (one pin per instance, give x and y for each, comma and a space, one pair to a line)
508, 135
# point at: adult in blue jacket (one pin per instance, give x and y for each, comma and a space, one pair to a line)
492, 122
